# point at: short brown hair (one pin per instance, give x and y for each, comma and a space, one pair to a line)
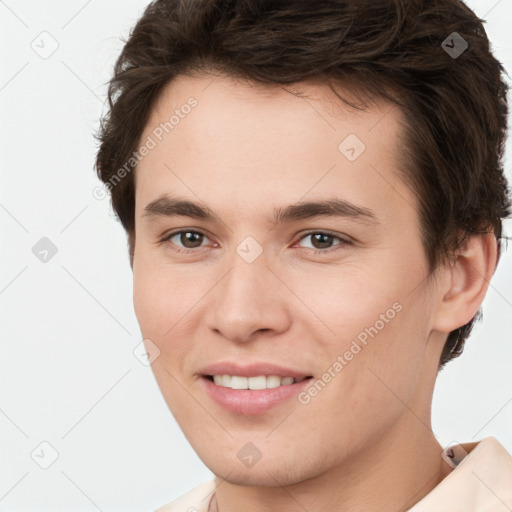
455, 105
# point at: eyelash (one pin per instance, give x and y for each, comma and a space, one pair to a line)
343, 241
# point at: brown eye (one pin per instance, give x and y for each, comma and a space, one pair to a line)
185, 239
191, 239
321, 240
325, 242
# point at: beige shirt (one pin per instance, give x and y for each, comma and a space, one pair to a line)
480, 481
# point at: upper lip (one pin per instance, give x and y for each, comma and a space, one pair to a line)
250, 370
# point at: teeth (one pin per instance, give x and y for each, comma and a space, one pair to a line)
273, 381
239, 382
255, 383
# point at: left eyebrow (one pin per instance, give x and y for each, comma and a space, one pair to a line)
328, 208
166, 206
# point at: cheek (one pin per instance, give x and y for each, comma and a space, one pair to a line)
143, 298
165, 302
377, 326
154, 299
349, 299
161, 310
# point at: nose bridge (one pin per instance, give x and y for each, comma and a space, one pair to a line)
248, 272
244, 301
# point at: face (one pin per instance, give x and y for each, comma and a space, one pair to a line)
250, 281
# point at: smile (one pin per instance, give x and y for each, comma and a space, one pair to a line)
265, 393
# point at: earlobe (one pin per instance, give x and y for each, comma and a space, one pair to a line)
468, 282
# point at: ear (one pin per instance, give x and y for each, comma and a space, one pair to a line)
463, 288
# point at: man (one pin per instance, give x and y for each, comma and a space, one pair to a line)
313, 195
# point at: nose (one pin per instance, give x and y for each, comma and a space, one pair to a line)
249, 299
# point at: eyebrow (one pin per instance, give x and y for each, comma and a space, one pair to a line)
166, 206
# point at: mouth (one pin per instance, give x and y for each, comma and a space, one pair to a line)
250, 396
256, 383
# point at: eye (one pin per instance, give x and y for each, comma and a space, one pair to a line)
189, 239
322, 241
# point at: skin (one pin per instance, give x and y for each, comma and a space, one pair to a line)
365, 442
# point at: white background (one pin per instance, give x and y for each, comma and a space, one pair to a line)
67, 372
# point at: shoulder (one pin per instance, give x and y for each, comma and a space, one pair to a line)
195, 500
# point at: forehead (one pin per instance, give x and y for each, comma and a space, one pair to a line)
235, 101
247, 141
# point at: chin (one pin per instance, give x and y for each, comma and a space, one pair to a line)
273, 473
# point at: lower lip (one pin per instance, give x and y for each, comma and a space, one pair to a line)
251, 402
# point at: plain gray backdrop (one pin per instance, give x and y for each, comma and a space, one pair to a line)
83, 424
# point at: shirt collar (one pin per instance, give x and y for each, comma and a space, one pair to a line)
480, 480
